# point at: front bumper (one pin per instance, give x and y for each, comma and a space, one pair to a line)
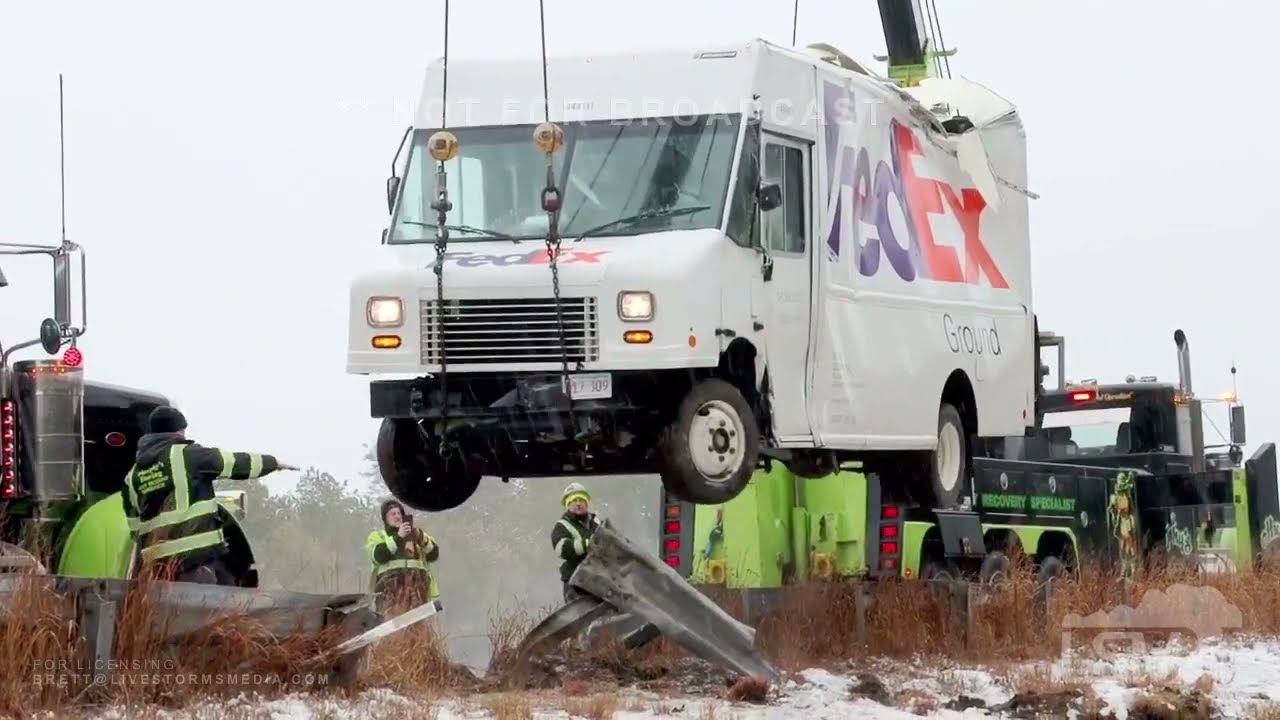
517, 396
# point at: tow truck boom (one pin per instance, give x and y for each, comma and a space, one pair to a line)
910, 45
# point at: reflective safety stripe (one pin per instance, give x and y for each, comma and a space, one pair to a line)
579, 544
177, 517
180, 546
255, 465
133, 520
183, 511
401, 565
228, 464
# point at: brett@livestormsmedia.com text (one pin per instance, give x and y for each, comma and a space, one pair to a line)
72, 674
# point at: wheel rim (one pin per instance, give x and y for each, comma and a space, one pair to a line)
949, 457
715, 440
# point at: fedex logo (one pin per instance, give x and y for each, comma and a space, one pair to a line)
894, 180
535, 257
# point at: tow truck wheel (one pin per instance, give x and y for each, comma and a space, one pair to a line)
950, 463
710, 450
995, 568
416, 473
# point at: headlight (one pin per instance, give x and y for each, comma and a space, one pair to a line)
634, 306
385, 311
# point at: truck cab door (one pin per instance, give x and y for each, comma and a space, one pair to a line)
786, 235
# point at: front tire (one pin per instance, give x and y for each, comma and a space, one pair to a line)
710, 450
416, 473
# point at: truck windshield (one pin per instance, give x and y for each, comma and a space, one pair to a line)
1085, 432
1142, 427
606, 170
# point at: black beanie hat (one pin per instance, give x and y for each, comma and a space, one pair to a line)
387, 505
165, 419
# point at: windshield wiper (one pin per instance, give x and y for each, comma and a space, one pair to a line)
647, 215
466, 229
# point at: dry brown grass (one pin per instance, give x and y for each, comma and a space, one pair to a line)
507, 706
597, 706
43, 665
1263, 711
814, 625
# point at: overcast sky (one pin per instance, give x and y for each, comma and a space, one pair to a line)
226, 166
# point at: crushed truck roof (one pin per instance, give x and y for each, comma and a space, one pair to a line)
682, 81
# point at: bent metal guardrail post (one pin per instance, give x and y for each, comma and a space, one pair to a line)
635, 582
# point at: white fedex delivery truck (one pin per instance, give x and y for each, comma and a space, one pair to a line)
762, 254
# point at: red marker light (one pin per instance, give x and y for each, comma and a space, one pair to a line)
889, 511
72, 357
1083, 395
672, 545
672, 527
673, 561
115, 439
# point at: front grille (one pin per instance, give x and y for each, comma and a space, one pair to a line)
522, 330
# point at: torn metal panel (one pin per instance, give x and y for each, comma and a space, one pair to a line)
635, 582
390, 627
631, 630
567, 622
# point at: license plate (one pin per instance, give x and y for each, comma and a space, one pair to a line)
593, 386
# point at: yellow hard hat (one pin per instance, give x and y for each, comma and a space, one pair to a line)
574, 491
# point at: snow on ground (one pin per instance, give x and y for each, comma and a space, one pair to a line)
1240, 670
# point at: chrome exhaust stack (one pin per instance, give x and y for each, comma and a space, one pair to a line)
1190, 421
1184, 363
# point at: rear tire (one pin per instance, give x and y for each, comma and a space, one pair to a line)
711, 449
949, 464
995, 568
415, 472
1051, 569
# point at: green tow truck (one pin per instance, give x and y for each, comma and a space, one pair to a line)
65, 447
1117, 472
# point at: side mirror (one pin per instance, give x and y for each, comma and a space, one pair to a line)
1237, 425
769, 196
393, 186
62, 289
50, 335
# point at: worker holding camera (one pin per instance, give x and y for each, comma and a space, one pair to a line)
402, 556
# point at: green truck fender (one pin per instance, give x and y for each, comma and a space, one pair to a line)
99, 543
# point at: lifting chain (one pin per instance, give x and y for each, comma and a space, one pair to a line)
443, 146
548, 138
